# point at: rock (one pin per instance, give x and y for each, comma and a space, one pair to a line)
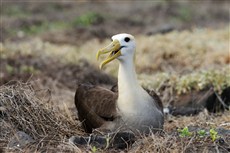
20, 140
93, 140
2, 112
195, 102
120, 140
224, 132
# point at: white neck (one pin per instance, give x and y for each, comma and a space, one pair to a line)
131, 95
127, 79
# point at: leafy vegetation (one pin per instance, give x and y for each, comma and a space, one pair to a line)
201, 133
184, 132
9, 69
27, 69
94, 149
219, 79
88, 19
22, 69
44, 27
184, 14
213, 134
14, 11
50, 26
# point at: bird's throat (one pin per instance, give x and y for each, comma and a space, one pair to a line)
129, 90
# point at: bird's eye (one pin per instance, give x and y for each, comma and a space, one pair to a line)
127, 39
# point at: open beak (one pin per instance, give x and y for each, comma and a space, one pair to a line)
114, 49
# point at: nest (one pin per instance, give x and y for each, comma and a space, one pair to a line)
22, 110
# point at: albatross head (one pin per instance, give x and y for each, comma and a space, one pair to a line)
122, 48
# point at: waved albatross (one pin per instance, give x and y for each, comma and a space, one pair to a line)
132, 108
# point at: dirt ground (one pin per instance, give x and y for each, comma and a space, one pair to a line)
48, 47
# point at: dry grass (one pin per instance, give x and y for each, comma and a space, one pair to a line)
23, 110
184, 51
170, 141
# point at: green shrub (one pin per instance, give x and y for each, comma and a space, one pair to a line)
88, 19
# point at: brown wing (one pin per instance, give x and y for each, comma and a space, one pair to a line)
95, 105
156, 99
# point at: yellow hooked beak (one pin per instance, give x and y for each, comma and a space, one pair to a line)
113, 49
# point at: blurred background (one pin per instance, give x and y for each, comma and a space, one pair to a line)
78, 21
